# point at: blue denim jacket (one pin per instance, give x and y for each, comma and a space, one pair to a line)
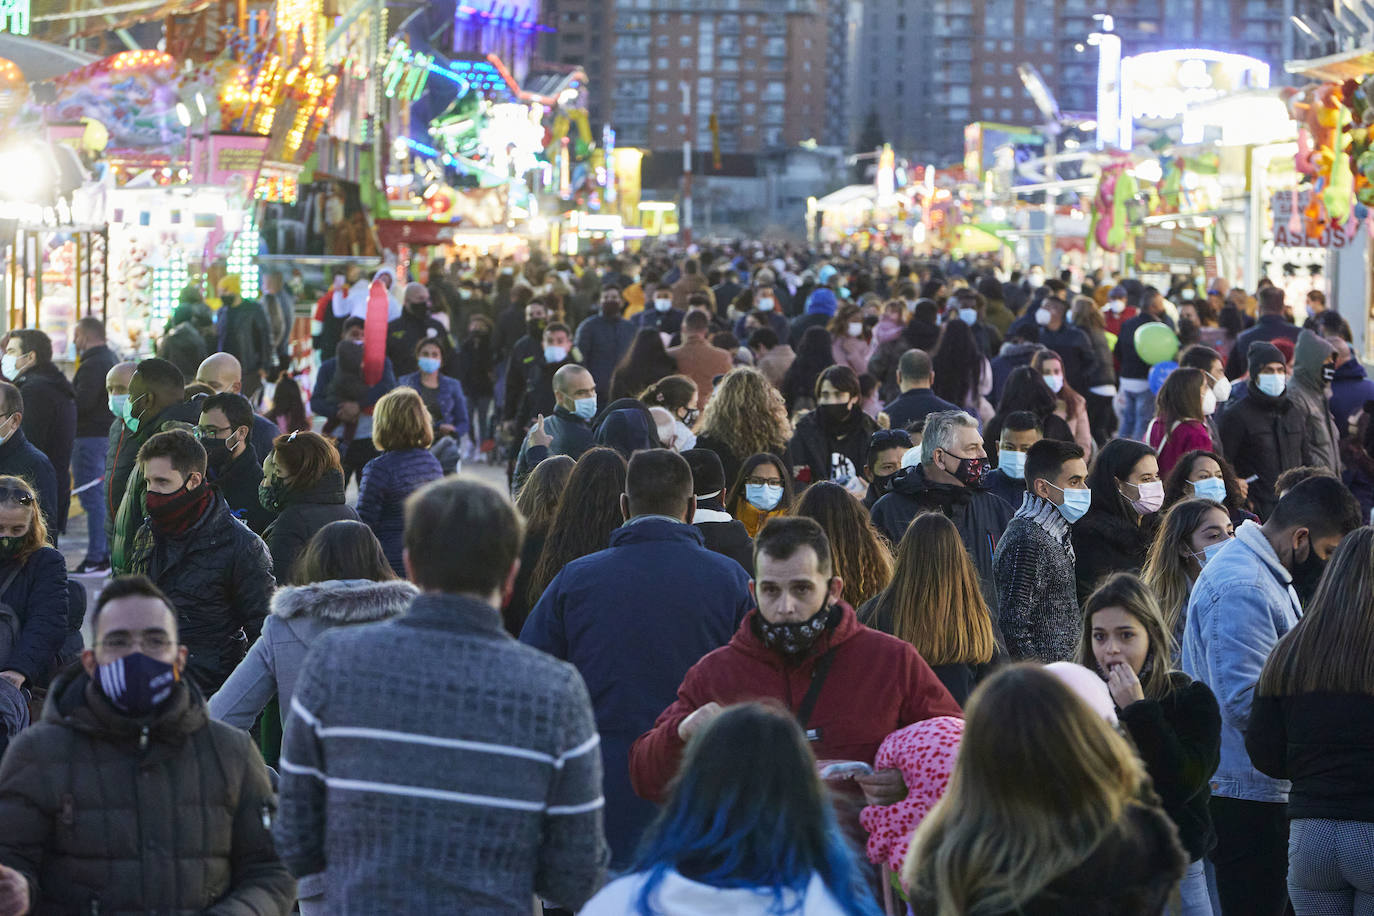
1240, 606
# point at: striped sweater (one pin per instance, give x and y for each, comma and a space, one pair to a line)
432, 764
1037, 597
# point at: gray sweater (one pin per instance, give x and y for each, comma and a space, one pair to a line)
432, 764
1034, 569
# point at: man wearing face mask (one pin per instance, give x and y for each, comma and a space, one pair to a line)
156, 402
1314, 368
1074, 347
222, 373
659, 313
232, 466
217, 573
1241, 605
18, 457
568, 430
1264, 433
526, 353
93, 419
603, 339
1272, 324
537, 394
180, 786
802, 646
969, 308
50, 420
949, 480
1037, 609
246, 332
634, 650
417, 323
885, 450
1008, 480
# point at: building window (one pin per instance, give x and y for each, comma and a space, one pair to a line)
1006, 92
685, 41
661, 85
989, 92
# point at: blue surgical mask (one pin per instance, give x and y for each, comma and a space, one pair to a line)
554, 355
1213, 488
663, 305
119, 403
763, 496
968, 316
131, 421
1208, 552
428, 364
1075, 504
585, 408
1013, 464
1272, 383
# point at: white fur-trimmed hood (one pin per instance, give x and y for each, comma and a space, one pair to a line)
344, 600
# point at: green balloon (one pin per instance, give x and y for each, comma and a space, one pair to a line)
1156, 342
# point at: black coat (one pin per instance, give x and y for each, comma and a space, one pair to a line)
1012, 490
729, 539
571, 434
19, 458
1321, 742
1105, 543
50, 424
1075, 351
38, 596
1267, 328
815, 455
477, 366
979, 516
1264, 437
238, 484
245, 332
405, 333
304, 513
184, 347
1132, 366
525, 354
93, 415
913, 405
1179, 739
218, 576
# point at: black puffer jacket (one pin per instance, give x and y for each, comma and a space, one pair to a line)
1105, 543
304, 513
219, 578
980, 517
50, 423
38, 596
238, 483
103, 814
815, 454
1263, 437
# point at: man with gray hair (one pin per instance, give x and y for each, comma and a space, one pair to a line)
949, 480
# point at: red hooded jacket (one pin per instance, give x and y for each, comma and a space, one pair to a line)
877, 684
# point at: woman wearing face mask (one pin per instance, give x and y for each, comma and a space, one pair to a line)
678, 395
1207, 475
1026, 391
1191, 533
1312, 716
1069, 405
644, 363
302, 481
1115, 534
852, 339
1179, 426
814, 356
444, 400
762, 491
33, 588
1173, 720
831, 442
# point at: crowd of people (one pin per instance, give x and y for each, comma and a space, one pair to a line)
820, 583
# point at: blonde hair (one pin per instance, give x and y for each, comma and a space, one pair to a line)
1039, 782
934, 601
747, 414
37, 536
401, 420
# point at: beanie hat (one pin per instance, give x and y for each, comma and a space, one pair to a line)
229, 283
1284, 346
1260, 354
822, 301
708, 474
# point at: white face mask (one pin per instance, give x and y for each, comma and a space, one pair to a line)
1209, 403
764, 304
1056, 382
1043, 317
856, 328
1221, 388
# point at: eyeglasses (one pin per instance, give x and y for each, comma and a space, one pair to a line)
763, 481
155, 641
16, 495
211, 432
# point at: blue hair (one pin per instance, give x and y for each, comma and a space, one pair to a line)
767, 824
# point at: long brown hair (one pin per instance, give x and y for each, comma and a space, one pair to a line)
587, 514
861, 556
538, 499
934, 601
1180, 398
1039, 781
1167, 572
1127, 592
345, 549
1331, 650
746, 413
1074, 403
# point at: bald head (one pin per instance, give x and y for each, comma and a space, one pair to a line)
222, 372
117, 379
572, 383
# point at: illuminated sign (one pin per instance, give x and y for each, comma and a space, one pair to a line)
1158, 88
14, 16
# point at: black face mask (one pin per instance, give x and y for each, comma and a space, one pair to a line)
1306, 575
217, 454
535, 327
794, 640
883, 483
970, 471
833, 416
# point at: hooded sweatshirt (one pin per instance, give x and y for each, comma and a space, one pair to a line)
1311, 392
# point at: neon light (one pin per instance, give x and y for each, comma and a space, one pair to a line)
421, 148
